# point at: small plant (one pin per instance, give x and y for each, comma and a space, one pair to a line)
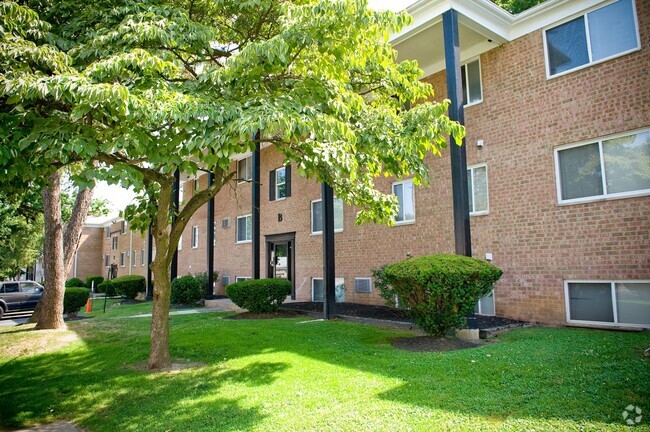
202, 278
74, 299
129, 286
386, 291
259, 296
186, 290
441, 290
74, 283
94, 279
107, 288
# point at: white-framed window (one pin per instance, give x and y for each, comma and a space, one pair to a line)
242, 278
477, 189
317, 216
107, 260
114, 243
225, 280
471, 82
485, 305
244, 229
245, 169
318, 290
197, 185
123, 227
195, 236
405, 194
181, 193
363, 285
122, 259
134, 258
614, 303
599, 35
142, 257
615, 167
180, 243
280, 183
107, 231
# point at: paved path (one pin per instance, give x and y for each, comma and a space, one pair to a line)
218, 305
60, 426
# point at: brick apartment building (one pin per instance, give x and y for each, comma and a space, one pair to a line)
557, 111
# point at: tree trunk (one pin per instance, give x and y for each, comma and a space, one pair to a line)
159, 357
50, 314
71, 239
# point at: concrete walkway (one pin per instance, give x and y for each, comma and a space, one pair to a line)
60, 426
217, 305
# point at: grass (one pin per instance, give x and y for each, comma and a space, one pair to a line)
284, 375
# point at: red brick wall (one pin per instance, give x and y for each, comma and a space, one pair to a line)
88, 259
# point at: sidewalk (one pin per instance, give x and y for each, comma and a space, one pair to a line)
217, 305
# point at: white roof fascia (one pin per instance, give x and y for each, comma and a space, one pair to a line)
490, 20
466, 55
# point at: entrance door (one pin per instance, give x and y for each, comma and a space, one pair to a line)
281, 258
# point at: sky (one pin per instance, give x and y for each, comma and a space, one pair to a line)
119, 197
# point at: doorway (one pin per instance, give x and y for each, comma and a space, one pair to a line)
280, 258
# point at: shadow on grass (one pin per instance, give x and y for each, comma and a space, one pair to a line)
580, 376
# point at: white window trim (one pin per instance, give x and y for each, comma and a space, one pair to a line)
122, 259
222, 279
123, 230
195, 245
471, 168
586, 20
311, 216
197, 185
480, 80
238, 175
243, 278
612, 283
478, 305
237, 241
369, 279
107, 260
134, 258
180, 243
275, 173
605, 196
142, 257
312, 289
114, 242
392, 191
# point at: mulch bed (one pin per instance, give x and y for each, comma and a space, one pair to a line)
354, 309
433, 344
271, 315
392, 314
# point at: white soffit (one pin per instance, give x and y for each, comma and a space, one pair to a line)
482, 27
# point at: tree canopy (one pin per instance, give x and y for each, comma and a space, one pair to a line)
132, 91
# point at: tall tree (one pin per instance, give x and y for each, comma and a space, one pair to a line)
166, 86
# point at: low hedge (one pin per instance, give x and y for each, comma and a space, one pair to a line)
96, 279
441, 290
75, 283
107, 288
186, 290
130, 285
74, 299
259, 296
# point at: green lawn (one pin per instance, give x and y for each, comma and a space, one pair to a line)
286, 375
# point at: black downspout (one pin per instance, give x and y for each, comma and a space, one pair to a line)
329, 271
256, 208
458, 155
209, 290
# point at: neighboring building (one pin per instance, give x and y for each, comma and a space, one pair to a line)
558, 149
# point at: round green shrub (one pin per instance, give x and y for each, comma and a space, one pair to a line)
130, 285
75, 283
202, 278
74, 299
107, 288
441, 290
259, 296
96, 279
186, 290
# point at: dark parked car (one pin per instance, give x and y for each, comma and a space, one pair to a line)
19, 295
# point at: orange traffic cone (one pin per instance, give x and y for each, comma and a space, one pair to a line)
89, 306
